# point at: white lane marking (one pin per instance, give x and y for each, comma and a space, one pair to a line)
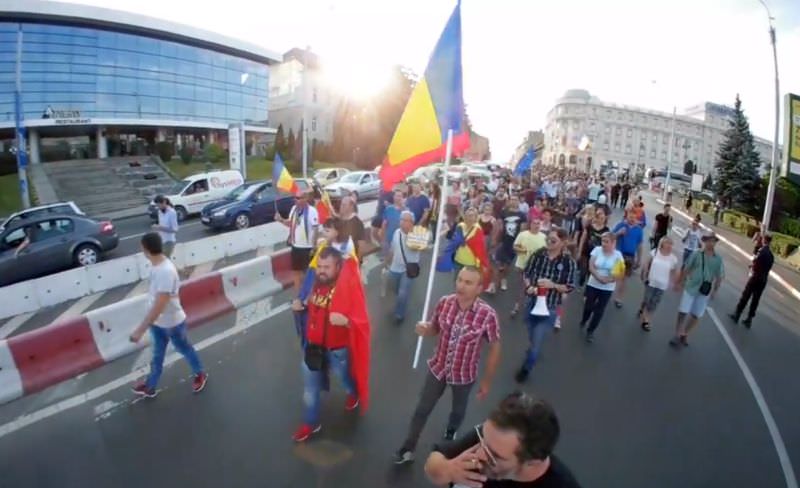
772, 426
64, 405
182, 226
202, 269
748, 256
79, 307
14, 323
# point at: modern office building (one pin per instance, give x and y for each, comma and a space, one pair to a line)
99, 82
633, 138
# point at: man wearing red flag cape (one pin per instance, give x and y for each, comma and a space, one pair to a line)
337, 337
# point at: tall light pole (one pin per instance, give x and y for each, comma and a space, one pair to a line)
669, 156
22, 153
773, 168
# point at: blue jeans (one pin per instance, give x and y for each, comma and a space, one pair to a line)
162, 337
537, 328
316, 381
401, 284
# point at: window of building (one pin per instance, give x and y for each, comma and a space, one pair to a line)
608, 129
619, 131
630, 132
616, 147
605, 145
652, 153
627, 148
313, 124
663, 154
642, 151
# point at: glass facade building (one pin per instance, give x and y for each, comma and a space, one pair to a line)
104, 73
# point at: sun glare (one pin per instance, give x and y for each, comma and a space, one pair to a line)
359, 82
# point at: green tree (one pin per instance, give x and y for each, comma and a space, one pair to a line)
280, 140
737, 164
290, 142
297, 148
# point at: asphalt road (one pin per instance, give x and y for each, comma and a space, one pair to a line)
634, 412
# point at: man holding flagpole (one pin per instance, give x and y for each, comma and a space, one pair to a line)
303, 222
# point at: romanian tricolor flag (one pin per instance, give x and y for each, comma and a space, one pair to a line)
435, 107
471, 241
281, 179
324, 207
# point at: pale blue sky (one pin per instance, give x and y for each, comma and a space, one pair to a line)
520, 55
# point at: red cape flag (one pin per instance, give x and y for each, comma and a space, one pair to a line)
349, 300
476, 242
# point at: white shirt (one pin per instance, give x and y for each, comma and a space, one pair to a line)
412, 256
304, 225
692, 240
604, 264
169, 220
164, 279
660, 269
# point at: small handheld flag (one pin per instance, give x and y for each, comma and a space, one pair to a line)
281, 179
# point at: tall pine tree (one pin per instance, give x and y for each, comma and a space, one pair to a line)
280, 140
737, 164
290, 143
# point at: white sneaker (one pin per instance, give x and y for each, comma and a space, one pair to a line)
558, 323
491, 289
384, 281
504, 284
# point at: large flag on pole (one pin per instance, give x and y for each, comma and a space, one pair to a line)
281, 179
525, 162
436, 106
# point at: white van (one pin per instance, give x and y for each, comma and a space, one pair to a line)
191, 194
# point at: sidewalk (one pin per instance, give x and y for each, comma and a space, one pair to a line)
782, 272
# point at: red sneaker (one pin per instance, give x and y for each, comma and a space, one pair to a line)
199, 382
141, 389
305, 431
351, 403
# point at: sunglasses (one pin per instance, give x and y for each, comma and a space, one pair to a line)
492, 460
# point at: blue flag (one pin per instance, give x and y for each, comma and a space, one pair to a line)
525, 162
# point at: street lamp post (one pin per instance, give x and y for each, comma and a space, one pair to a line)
773, 168
669, 156
22, 153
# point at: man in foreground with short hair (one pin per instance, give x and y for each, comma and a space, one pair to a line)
462, 320
165, 319
512, 448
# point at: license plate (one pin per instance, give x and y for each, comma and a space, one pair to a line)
205, 220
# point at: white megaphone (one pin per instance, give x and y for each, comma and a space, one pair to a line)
540, 307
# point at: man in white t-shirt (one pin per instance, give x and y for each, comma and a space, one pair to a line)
165, 319
303, 223
399, 258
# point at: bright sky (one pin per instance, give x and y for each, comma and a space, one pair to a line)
519, 56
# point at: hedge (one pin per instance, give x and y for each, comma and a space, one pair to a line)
790, 227
783, 244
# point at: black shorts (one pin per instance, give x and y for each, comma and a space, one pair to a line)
301, 257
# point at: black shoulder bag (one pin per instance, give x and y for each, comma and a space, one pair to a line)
412, 269
705, 286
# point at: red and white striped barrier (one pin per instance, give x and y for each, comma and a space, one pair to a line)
38, 359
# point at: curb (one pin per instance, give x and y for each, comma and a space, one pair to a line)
772, 274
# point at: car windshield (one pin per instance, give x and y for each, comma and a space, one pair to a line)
178, 187
237, 192
351, 178
249, 191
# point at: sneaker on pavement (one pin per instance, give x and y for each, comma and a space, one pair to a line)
589, 337
491, 289
450, 434
305, 431
199, 382
747, 322
351, 403
734, 317
684, 340
142, 390
675, 342
504, 284
557, 325
403, 456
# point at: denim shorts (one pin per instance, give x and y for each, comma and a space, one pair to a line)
693, 304
652, 297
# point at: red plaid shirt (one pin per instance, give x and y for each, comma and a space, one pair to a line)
460, 332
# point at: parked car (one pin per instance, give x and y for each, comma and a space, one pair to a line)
250, 204
362, 184
327, 176
57, 242
190, 195
61, 208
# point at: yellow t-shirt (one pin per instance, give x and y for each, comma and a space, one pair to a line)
464, 255
531, 242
